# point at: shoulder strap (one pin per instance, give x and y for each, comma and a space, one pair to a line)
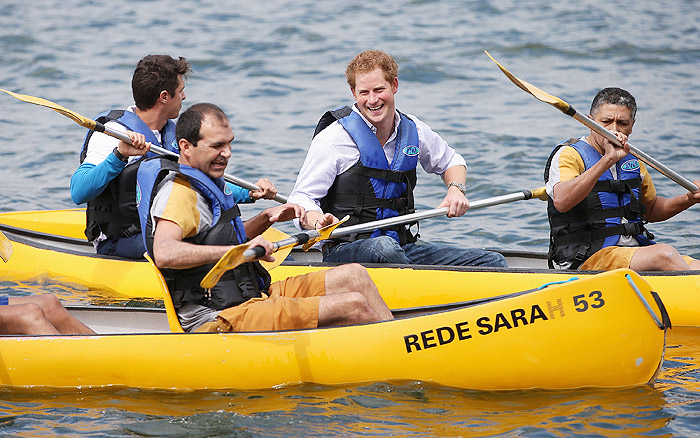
330, 117
568, 142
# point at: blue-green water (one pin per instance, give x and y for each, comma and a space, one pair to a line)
275, 67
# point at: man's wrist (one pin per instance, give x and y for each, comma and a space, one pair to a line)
121, 157
461, 187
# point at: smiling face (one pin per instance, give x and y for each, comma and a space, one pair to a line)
375, 98
213, 149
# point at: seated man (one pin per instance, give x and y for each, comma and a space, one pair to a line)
38, 315
362, 162
189, 220
600, 197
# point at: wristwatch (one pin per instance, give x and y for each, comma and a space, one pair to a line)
121, 157
461, 187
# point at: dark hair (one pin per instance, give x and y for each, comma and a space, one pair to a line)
614, 96
153, 74
190, 121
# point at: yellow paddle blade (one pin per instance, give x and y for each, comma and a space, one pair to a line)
233, 257
274, 235
529, 88
5, 247
81, 120
324, 233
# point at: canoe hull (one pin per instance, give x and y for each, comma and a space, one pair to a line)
540, 339
41, 250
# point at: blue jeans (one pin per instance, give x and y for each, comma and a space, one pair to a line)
130, 247
384, 249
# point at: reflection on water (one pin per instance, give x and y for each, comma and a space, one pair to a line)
380, 409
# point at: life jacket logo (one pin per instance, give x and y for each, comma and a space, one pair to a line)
411, 151
630, 166
138, 194
174, 145
227, 189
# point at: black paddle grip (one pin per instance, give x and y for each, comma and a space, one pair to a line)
302, 238
259, 251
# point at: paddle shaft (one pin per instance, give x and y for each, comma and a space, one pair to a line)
301, 238
161, 151
407, 218
660, 167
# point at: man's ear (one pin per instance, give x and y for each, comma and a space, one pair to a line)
164, 96
184, 145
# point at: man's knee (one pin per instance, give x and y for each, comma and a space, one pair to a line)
352, 276
496, 259
384, 246
358, 309
30, 315
665, 254
49, 303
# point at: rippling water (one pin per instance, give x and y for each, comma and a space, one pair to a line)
275, 67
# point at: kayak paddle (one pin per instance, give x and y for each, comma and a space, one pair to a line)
99, 127
571, 111
240, 254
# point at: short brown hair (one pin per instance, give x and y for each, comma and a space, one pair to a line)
153, 74
369, 60
190, 121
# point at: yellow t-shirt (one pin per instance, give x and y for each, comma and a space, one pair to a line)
178, 202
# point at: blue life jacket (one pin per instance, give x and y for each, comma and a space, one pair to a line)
596, 222
373, 188
113, 212
237, 285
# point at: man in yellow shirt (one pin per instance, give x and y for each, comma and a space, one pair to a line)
600, 197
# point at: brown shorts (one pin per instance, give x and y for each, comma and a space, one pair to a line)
292, 304
615, 257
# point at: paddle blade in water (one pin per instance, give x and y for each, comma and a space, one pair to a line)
5, 247
529, 88
81, 120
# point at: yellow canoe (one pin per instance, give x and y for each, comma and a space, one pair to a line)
48, 243
603, 331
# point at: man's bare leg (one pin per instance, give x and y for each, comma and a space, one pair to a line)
354, 278
54, 313
25, 319
659, 257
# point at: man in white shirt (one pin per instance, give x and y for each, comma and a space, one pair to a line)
362, 162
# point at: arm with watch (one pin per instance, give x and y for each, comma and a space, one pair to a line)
455, 200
